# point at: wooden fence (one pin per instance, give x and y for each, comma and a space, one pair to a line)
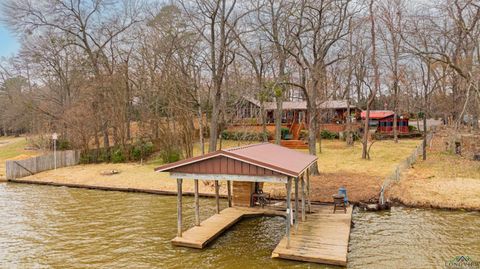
404, 165
22, 168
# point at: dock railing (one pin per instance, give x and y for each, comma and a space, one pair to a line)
22, 168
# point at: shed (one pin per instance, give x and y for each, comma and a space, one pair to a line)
245, 166
383, 120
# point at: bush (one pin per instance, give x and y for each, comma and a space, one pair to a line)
284, 132
244, 136
63, 144
141, 150
117, 156
412, 128
171, 155
326, 134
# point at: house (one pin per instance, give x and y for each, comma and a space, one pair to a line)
382, 120
333, 114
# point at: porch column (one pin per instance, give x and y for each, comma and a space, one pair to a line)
296, 204
229, 192
289, 210
197, 204
308, 191
217, 196
303, 197
179, 207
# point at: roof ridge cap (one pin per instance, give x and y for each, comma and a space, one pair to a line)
244, 146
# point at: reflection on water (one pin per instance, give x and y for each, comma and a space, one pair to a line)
44, 226
413, 238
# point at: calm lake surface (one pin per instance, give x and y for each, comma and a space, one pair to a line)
43, 227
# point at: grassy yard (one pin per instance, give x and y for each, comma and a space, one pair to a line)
444, 180
340, 165
13, 148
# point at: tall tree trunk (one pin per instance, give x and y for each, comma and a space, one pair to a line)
365, 131
214, 120
200, 126
278, 119
313, 123
395, 126
263, 118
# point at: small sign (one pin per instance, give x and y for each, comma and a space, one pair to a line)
54, 136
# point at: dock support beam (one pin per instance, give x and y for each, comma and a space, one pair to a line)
308, 191
289, 209
217, 197
303, 197
296, 204
229, 193
179, 207
197, 204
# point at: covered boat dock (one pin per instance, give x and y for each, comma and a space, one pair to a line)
246, 169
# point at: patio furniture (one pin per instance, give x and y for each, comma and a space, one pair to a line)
338, 201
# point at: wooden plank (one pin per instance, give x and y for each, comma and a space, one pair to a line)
323, 238
211, 228
240, 178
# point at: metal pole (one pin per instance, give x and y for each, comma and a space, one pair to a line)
55, 153
289, 210
424, 150
179, 207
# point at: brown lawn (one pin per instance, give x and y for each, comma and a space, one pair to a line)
340, 165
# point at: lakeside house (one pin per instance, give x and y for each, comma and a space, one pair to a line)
295, 118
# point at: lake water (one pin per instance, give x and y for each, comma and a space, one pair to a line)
42, 227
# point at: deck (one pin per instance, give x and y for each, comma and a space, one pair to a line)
322, 238
211, 228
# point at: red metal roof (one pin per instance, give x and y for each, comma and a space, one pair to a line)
377, 114
265, 155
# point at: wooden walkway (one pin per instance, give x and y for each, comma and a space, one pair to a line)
211, 228
322, 238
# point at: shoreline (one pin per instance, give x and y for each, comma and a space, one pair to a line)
394, 201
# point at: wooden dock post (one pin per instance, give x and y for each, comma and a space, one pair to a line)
289, 209
296, 204
179, 207
229, 193
217, 197
197, 204
308, 191
303, 197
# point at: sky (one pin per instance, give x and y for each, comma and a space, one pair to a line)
9, 44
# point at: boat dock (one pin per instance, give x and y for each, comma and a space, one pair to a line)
211, 228
322, 238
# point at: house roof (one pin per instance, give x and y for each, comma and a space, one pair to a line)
276, 159
300, 105
377, 114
